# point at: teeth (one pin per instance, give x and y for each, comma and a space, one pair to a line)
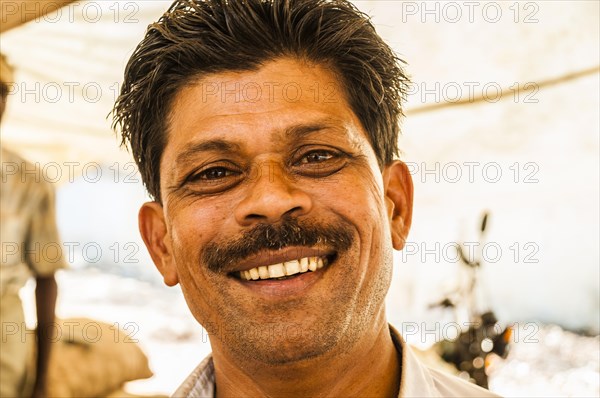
263, 272
276, 271
292, 267
279, 271
312, 263
304, 264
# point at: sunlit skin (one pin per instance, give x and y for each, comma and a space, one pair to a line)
234, 161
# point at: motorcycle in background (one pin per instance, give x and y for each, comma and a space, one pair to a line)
471, 351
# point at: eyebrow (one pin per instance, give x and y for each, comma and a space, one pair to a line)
298, 131
293, 132
205, 146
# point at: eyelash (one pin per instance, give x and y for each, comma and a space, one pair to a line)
332, 161
199, 175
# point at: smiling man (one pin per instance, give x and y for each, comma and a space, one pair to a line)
266, 133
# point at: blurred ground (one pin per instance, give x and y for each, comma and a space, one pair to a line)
553, 363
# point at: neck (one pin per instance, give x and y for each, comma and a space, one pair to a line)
371, 367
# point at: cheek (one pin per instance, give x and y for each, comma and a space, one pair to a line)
193, 226
369, 210
357, 197
197, 213
372, 186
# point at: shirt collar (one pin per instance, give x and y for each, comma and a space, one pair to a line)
415, 378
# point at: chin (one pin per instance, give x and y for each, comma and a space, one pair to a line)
291, 349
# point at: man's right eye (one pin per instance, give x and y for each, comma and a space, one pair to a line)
212, 174
213, 179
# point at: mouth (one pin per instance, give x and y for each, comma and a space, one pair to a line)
287, 269
285, 273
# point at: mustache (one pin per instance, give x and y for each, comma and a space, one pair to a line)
290, 232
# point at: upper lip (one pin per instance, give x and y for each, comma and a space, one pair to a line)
270, 257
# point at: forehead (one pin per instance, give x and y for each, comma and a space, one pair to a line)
271, 95
255, 110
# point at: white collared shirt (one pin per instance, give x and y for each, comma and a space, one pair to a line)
416, 380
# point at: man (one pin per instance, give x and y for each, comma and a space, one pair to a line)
266, 131
29, 248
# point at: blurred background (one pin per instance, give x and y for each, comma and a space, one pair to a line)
502, 119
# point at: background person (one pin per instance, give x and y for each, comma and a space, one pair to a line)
30, 248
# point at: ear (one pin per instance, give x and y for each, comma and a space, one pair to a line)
154, 233
398, 188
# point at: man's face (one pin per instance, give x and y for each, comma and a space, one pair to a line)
268, 173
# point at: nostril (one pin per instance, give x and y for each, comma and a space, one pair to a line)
292, 211
255, 217
270, 203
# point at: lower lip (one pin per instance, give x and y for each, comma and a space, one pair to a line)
284, 287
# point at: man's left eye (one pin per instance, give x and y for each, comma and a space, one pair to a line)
319, 163
316, 157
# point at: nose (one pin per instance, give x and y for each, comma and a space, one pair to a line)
271, 195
